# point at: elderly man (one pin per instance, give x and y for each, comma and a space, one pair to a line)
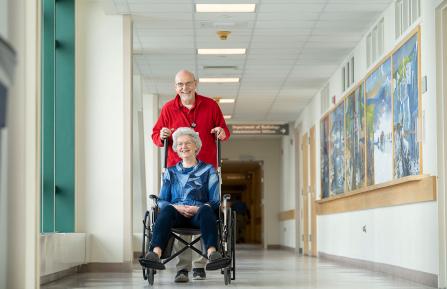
189, 109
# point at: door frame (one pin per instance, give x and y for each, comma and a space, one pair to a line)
441, 92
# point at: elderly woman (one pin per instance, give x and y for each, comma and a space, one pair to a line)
188, 198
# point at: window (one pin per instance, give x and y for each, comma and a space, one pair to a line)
374, 43
347, 74
57, 110
406, 13
324, 101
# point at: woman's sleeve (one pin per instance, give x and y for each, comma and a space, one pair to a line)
164, 198
213, 189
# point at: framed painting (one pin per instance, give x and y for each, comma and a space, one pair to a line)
406, 108
355, 139
379, 156
336, 148
324, 156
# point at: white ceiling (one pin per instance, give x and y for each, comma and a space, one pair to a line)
293, 47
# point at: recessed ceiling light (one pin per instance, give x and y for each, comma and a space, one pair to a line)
221, 51
225, 7
227, 116
226, 100
219, 79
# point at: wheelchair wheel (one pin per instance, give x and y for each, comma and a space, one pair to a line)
150, 276
233, 247
227, 276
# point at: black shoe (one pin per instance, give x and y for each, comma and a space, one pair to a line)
182, 276
151, 260
216, 261
198, 274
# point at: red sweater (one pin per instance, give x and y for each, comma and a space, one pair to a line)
205, 113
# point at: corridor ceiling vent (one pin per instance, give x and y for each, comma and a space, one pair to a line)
225, 8
217, 51
219, 80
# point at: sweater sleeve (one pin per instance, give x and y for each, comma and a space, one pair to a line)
220, 121
161, 122
213, 189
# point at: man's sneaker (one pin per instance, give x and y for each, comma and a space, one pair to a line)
198, 274
182, 276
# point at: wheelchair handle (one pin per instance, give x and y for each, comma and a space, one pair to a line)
219, 159
165, 157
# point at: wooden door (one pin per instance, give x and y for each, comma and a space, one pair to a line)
312, 193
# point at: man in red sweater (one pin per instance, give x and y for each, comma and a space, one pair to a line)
189, 109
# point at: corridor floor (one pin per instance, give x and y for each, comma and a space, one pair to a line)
256, 268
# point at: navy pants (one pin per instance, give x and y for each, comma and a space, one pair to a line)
169, 217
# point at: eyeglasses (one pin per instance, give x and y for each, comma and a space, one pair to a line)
186, 143
187, 84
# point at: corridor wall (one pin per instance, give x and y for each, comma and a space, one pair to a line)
102, 112
403, 236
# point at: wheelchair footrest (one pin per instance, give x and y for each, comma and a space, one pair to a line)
151, 264
218, 264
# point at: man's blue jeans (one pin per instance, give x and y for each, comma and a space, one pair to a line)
169, 217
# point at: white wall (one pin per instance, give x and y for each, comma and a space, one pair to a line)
404, 236
3, 177
23, 198
3, 18
269, 151
101, 135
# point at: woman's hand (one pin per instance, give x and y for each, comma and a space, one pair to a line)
186, 211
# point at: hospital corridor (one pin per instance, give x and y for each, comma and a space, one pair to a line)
223, 144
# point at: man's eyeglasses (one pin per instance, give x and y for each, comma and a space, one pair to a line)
187, 84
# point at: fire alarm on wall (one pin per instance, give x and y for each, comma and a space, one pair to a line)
333, 99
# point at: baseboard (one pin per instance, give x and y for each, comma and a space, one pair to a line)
58, 275
420, 277
106, 267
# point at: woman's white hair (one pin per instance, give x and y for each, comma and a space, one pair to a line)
181, 131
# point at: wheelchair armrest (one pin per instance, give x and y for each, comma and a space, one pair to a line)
154, 197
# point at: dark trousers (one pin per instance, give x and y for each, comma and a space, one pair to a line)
169, 217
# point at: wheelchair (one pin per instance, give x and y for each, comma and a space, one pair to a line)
226, 228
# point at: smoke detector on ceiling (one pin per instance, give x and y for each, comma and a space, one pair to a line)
223, 35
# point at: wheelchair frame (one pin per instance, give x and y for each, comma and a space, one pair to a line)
226, 228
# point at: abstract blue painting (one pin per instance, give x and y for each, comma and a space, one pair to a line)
355, 139
406, 108
324, 156
379, 125
336, 149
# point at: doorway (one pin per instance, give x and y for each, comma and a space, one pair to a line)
243, 181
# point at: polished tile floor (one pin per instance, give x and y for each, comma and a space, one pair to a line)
256, 268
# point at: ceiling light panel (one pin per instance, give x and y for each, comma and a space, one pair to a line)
209, 51
225, 8
219, 79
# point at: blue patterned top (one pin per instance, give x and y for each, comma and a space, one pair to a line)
193, 186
